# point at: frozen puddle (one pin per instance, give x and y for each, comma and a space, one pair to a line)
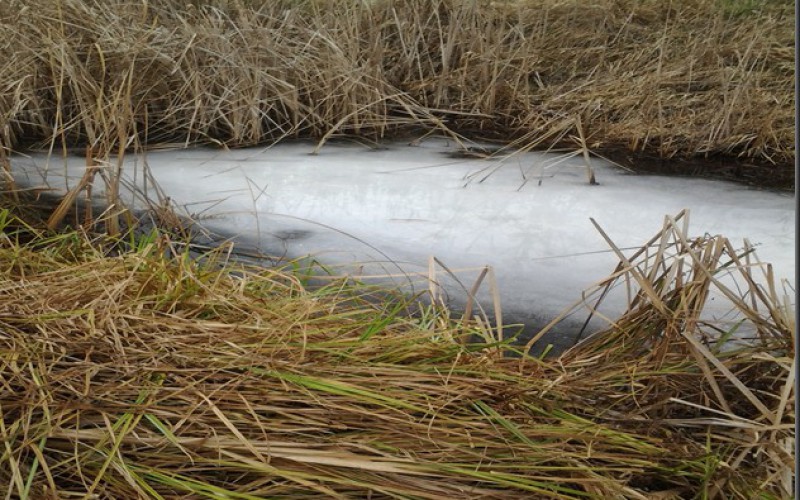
385, 212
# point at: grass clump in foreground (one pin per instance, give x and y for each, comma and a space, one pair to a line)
691, 80
150, 374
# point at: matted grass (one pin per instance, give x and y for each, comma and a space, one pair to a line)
134, 370
634, 79
148, 374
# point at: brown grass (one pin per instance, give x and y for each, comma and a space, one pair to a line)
680, 79
129, 369
152, 375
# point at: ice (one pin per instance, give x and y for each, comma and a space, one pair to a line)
386, 211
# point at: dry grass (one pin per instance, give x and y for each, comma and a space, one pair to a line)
152, 375
130, 369
677, 79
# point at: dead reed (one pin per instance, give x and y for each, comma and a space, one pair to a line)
149, 374
143, 372
679, 79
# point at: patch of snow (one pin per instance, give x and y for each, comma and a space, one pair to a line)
386, 211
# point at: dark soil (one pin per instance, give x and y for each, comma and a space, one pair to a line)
780, 177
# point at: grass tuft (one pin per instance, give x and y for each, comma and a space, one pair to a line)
639, 81
142, 373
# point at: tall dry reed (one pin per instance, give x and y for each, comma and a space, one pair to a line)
672, 79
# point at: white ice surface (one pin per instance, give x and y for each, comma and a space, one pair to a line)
524, 216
